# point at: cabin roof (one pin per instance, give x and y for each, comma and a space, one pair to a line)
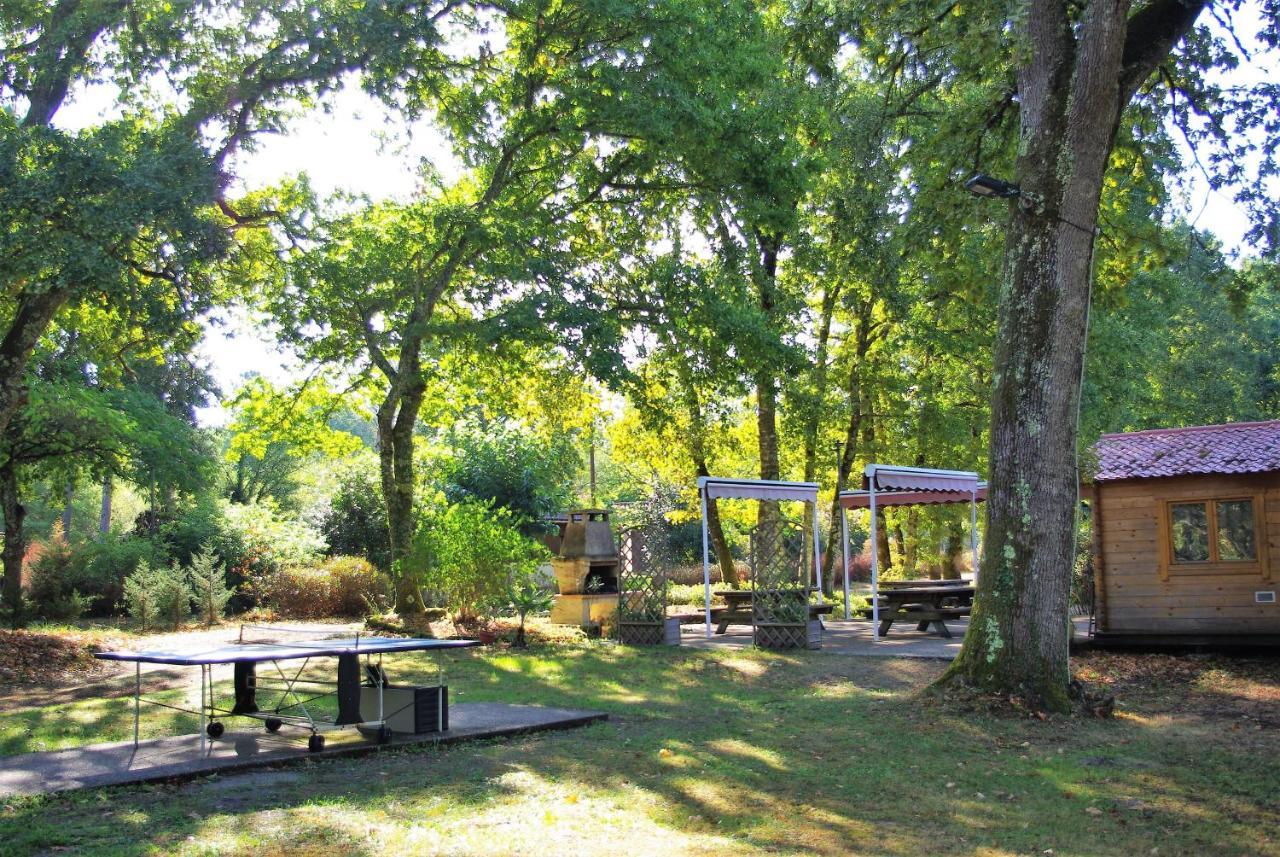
1221, 449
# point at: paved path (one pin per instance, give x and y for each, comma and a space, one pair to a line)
853, 637
185, 755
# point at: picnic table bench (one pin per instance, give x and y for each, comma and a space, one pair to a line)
923, 604
738, 609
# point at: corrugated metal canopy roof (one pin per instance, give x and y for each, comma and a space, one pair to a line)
756, 489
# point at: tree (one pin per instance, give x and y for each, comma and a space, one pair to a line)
137, 203
209, 585
1075, 72
564, 115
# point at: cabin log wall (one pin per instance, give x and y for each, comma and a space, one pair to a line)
1216, 599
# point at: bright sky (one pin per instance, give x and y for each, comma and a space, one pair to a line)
355, 146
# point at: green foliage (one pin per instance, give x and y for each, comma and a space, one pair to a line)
152, 594
499, 463
355, 524
255, 540
173, 594
341, 586
527, 594
209, 585
139, 593
273, 433
470, 553
88, 576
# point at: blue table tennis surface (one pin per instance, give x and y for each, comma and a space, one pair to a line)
260, 652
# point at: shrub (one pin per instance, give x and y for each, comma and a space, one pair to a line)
256, 542
209, 582
139, 595
342, 586
356, 521
109, 562
471, 552
172, 594
527, 595
52, 575
159, 592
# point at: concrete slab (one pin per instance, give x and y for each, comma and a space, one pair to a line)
185, 755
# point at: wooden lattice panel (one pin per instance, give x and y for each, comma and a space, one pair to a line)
780, 585
642, 587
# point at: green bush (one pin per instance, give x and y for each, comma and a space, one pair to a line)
356, 521
139, 595
53, 573
152, 594
341, 586
108, 562
173, 594
471, 553
256, 542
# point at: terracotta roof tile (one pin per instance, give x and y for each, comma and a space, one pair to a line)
1232, 448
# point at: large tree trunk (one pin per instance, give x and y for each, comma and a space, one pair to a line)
396, 418
30, 320
715, 534
14, 543
766, 382
1074, 80
813, 424
853, 429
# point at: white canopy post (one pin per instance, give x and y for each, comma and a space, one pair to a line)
875, 571
817, 553
706, 556
973, 533
844, 549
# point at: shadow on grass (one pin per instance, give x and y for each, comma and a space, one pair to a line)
707, 752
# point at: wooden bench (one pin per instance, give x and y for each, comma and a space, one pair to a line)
744, 616
923, 615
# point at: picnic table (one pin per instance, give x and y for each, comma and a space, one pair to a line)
926, 605
738, 608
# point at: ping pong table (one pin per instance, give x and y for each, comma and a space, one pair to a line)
294, 691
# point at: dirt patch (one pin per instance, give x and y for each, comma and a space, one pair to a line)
1206, 687
35, 658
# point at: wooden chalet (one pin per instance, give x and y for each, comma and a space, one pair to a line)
1186, 532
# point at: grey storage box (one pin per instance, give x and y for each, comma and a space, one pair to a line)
408, 709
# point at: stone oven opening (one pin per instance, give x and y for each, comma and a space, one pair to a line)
601, 579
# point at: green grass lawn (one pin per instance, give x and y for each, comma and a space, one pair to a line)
738, 752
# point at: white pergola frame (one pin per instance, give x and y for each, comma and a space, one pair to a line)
716, 488
894, 485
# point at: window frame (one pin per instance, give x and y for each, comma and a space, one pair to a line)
1258, 565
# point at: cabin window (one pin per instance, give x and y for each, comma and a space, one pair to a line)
1235, 531
1205, 532
1189, 526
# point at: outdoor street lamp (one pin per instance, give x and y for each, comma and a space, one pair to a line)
990, 187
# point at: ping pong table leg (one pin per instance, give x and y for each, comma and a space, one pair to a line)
137, 697
203, 737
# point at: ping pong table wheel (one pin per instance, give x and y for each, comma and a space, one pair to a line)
215, 729
273, 724
315, 743
383, 734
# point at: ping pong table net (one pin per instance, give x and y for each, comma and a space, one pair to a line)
274, 635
